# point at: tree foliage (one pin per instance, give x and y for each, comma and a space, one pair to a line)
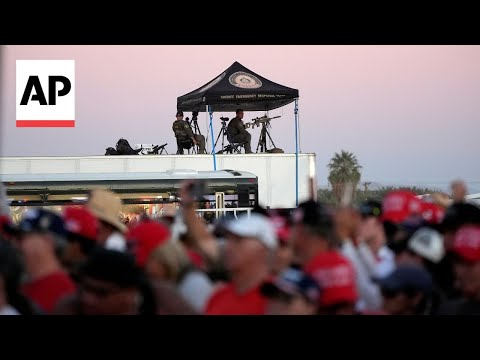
327, 196
343, 169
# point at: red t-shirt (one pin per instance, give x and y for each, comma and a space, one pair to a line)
48, 290
227, 301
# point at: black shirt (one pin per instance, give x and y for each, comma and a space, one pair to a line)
235, 127
460, 307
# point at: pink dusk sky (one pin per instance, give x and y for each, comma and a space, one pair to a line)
409, 113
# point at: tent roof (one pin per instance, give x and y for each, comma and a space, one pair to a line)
238, 87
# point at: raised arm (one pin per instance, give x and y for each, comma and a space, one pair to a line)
197, 229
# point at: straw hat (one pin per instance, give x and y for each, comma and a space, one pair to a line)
106, 207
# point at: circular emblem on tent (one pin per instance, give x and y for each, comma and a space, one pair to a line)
212, 83
244, 80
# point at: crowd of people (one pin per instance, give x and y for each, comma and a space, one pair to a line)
400, 256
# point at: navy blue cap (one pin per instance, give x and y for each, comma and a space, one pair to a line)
43, 221
112, 266
407, 278
292, 282
370, 208
313, 214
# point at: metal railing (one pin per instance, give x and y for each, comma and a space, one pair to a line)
224, 211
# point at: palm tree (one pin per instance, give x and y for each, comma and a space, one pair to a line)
344, 169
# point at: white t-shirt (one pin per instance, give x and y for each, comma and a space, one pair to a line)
196, 288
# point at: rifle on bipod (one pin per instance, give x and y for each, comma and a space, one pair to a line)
259, 121
158, 150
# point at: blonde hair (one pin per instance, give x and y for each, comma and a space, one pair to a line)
173, 258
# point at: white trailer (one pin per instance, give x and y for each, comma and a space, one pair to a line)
276, 172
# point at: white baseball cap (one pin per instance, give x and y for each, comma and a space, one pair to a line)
255, 226
427, 243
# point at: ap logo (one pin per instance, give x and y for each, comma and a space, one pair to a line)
45, 93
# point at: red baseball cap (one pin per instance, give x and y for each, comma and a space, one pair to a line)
432, 213
7, 227
80, 221
466, 243
399, 205
335, 276
144, 237
5, 219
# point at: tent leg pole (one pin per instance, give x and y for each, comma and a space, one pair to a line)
209, 109
296, 152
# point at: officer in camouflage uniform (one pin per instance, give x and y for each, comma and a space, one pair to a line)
184, 134
237, 133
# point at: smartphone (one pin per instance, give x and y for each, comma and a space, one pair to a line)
197, 190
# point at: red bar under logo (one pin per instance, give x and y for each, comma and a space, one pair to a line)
45, 123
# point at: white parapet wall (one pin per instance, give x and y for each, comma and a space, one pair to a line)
275, 172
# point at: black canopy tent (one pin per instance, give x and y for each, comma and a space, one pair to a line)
239, 87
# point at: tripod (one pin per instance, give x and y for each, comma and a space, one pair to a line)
222, 133
195, 128
262, 141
